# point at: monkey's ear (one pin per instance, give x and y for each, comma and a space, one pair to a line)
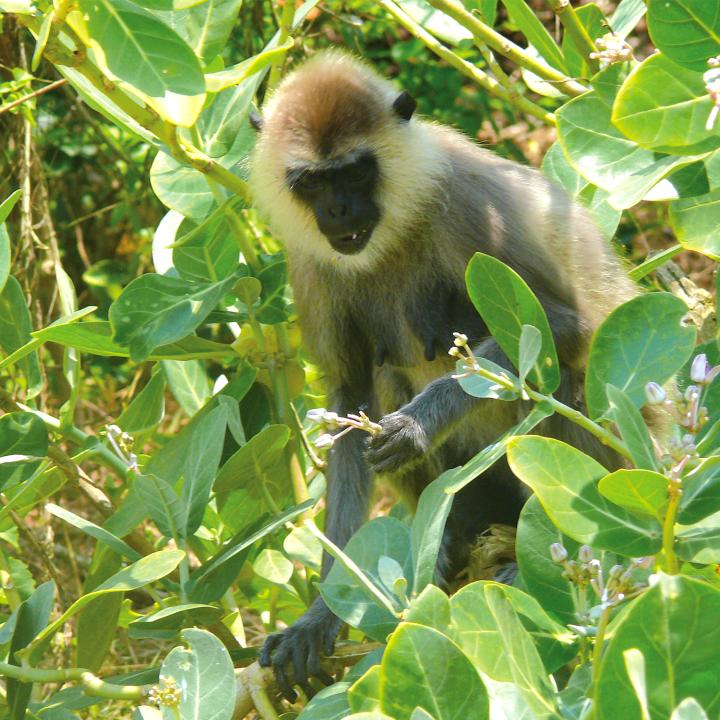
404, 106
256, 120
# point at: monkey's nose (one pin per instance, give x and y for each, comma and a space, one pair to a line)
338, 211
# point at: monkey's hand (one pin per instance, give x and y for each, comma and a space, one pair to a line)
300, 646
401, 441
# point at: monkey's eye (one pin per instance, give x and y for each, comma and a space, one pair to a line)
357, 172
308, 182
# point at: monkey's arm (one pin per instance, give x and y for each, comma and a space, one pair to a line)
347, 499
410, 432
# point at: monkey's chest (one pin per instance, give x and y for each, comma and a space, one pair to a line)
412, 327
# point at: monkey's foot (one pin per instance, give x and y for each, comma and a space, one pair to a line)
299, 646
401, 441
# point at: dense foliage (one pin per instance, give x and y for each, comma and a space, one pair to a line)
152, 419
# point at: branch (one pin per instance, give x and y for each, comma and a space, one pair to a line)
507, 48
576, 32
30, 96
480, 77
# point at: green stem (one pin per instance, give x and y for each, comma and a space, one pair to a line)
286, 19
91, 684
654, 262
576, 32
672, 566
506, 47
481, 78
599, 640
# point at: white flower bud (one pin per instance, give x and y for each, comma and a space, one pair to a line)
454, 352
585, 554
461, 340
315, 415
655, 394
699, 368
325, 441
558, 553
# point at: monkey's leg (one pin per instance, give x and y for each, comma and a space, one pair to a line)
348, 495
496, 496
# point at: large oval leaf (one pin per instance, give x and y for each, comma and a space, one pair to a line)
565, 480
23, 447
641, 341
688, 31
204, 675
674, 625
696, 220
155, 310
506, 303
421, 667
663, 106
141, 50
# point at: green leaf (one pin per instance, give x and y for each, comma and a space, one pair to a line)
273, 566
678, 663
364, 695
423, 668
7, 205
687, 31
436, 21
480, 387
255, 465
633, 428
143, 572
23, 447
529, 350
506, 303
528, 673
5, 253
181, 187
565, 481
205, 26
638, 184
188, 382
641, 341
15, 329
330, 703
695, 222
352, 602
165, 624
432, 608
205, 674
147, 408
206, 252
595, 148
592, 18
162, 503
641, 491
95, 338
201, 464
529, 25
154, 310
664, 107
542, 577
32, 616
90, 528
476, 630
700, 543
700, 492
141, 50
428, 527
303, 547
627, 16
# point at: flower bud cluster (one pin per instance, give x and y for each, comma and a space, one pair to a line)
329, 420
166, 693
612, 49
122, 444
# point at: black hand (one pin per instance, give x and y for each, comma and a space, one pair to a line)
401, 441
300, 646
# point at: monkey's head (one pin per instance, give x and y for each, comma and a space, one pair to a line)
339, 165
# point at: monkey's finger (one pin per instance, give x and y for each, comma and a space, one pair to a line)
313, 665
299, 661
279, 666
271, 642
390, 464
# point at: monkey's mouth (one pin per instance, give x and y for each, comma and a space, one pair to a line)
353, 243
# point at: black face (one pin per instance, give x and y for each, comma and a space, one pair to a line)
341, 197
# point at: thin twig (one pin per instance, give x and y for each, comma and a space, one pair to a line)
36, 93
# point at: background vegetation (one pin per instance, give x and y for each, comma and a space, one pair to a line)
160, 495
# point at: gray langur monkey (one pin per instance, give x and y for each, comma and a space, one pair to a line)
380, 213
